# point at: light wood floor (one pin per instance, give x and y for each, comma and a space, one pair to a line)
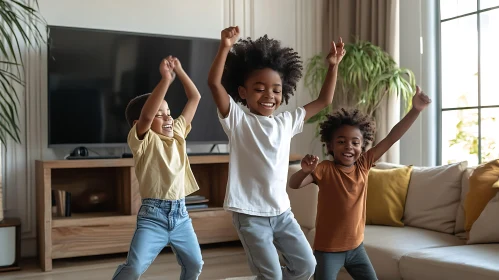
220, 262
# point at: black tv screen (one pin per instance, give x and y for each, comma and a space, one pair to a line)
93, 74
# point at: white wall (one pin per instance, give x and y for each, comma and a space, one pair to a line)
418, 19
186, 18
295, 23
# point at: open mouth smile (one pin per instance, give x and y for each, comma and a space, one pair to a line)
267, 105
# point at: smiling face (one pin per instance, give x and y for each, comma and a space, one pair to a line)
163, 121
262, 91
346, 145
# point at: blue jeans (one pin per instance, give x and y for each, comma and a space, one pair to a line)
355, 261
161, 223
263, 237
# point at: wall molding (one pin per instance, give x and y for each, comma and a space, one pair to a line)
242, 14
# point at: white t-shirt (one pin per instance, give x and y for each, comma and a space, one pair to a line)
259, 159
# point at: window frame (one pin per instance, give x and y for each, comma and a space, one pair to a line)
479, 106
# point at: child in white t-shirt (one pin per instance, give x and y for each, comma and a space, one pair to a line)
262, 75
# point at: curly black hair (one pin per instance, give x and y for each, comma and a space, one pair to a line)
352, 117
134, 108
248, 55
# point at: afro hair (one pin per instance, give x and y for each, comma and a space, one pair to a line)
352, 117
247, 56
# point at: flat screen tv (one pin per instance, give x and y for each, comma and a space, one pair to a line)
93, 74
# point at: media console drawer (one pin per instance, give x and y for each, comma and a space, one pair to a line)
85, 239
213, 226
89, 240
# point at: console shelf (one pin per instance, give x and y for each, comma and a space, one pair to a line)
106, 231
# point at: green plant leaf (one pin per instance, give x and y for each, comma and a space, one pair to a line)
19, 24
315, 74
365, 76
8, 87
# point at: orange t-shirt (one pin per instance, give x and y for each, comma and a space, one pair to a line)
341, 208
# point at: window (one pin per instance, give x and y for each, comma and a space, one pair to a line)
469, 63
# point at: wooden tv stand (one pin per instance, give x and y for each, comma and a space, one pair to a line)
106, 232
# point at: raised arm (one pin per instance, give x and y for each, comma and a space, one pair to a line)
325, 97
193, 96
419, 102
303, 177
228, 38
157, 96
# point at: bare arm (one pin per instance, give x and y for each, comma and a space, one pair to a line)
419, 102
220, 96
193, 96
303, 177
300, 179
215, 81
326, 95
153, 103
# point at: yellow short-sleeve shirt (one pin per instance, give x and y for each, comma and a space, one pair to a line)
161, 163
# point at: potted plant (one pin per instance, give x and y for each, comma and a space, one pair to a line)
366, 75
20, 26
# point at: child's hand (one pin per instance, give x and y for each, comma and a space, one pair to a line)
336, 53
309, 163
176, 65
166, 69
420, 100
229, 36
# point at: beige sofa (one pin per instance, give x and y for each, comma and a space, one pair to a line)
432, 244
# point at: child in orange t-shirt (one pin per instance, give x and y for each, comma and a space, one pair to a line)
341, 214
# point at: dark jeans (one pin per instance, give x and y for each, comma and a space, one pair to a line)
355, 261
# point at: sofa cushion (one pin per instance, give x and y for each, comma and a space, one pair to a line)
434, 196
303, 201
456, 262
481, 191
438, 210
386, 194
386, 245
306, 232
486, 227
310, 237
387, 165
465, 186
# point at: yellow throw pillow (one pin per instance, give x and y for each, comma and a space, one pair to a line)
386, 195
482, 190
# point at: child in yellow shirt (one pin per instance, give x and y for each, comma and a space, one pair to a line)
162, 168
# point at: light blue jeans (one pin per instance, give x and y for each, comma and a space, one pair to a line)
264, 237
161, 223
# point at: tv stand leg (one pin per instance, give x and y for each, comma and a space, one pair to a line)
213, 147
